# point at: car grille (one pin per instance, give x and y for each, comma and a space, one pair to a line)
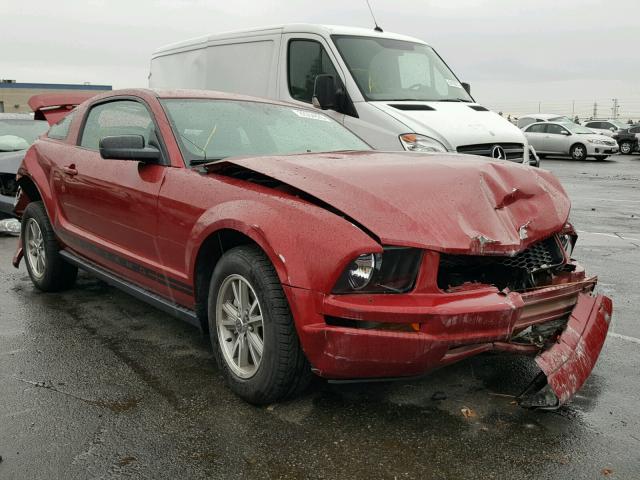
8, 185
513, 151
517, 272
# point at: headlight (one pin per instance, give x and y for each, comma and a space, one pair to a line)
413, 142
393, 271
568, 238
597, 142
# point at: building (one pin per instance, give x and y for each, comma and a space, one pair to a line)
14, 96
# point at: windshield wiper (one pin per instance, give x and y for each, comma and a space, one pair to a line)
202, 161
453, 100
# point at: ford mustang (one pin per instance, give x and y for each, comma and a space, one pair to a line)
300, 250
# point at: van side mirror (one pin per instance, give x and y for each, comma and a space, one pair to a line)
324, 92
128, 147
467, 87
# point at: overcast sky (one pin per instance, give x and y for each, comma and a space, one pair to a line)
513, 52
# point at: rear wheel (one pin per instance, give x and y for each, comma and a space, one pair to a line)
47, 269
626, 147
252, 330
578, 152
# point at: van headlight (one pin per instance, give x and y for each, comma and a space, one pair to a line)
392, 271
413, 142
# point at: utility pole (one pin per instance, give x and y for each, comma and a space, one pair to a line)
539, 106
615, 108
595, 110
573, 109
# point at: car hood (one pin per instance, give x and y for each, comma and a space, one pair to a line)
10, 161
454, 123
445, 202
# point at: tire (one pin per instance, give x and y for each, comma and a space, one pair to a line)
49, 272
626, 147
578, 152
281, 370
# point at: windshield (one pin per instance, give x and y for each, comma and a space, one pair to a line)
214, 129
395, 70
575, 128
19, 134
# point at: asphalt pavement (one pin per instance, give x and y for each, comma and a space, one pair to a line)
95, 384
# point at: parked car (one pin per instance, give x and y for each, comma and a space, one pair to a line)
541, 117
299, 249
17, 133
628, 139
576, 141
606, 127
393, 91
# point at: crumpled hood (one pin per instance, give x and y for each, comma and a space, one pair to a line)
455, 123
445, 202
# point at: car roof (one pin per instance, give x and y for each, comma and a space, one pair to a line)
543, 115
318, 29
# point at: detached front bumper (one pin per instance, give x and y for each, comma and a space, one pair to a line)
388, 336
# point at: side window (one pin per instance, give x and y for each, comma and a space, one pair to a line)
608, 125
120, 117
307, 59
555, 129
634, 130
60, 130
539, 128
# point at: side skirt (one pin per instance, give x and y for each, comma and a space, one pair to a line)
140, 293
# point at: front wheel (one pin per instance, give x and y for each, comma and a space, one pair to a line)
626, 148
578, 152
48, 270
252, 330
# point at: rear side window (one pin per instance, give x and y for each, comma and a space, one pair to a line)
307, 59
60, 130
539, 128
120, 117
594, 125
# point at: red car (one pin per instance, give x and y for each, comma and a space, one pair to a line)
300, 250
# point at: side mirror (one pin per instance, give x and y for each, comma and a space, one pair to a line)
324, 92
128, 147
565, 132
467, 87
612, 129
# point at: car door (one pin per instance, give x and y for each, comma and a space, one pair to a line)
110, 205
536, 137
557, 139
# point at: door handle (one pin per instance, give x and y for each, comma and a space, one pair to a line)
70, 169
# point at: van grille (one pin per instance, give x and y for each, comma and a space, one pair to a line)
513, 151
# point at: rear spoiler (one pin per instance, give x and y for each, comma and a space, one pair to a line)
52, 107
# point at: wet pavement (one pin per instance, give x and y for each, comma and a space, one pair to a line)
95, 384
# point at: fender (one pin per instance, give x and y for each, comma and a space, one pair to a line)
279, 226
33, 169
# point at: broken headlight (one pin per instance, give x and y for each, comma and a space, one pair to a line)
567, 238
392, 271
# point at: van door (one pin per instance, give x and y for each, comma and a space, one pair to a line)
305, 56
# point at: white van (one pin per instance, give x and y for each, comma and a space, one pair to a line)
394, 91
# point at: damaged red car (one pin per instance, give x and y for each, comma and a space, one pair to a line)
300, 250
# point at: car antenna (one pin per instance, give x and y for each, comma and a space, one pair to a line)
377, 27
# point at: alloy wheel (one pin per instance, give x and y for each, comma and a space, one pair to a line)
34, 242
240, 326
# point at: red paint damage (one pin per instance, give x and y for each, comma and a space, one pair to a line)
313, 217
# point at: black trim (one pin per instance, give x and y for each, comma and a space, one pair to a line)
478, 108
157, 301
165, 160
405, 106
130, 265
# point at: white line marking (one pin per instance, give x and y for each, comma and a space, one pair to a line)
624, 337
612, 235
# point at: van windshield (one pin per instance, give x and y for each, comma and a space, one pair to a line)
209, 130
395, 70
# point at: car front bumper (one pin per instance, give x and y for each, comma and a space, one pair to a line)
594, 149
417, 333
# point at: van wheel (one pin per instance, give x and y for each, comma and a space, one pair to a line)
578, 152
49, 272
626, 148
252, 330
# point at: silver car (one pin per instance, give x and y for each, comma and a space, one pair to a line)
606, 127
567, 138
